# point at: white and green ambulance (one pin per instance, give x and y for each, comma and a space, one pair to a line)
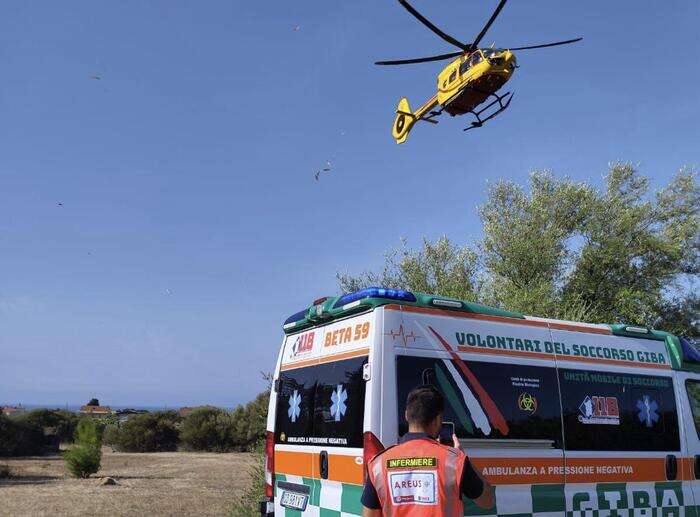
564, 418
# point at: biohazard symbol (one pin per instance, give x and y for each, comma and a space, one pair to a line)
527, 403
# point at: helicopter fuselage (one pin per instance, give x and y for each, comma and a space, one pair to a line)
468, 80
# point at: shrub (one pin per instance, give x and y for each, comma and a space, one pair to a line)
150, 432
208, 429
256, 420
6, 472
85, 457
19, 437
88, 433
64, 422
248, 502
83, 461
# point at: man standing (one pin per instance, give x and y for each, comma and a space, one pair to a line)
420, 476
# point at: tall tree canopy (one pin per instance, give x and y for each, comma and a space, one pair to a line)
565, 249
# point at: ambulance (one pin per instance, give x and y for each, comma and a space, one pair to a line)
563, 418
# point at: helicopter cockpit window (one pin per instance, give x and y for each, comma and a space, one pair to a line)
475, 59
464, 67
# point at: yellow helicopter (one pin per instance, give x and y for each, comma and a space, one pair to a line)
468, 81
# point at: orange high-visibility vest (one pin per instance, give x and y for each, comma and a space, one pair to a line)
419, 477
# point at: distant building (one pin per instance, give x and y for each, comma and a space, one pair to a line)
13, 410
127, 413
96, 411
185, 411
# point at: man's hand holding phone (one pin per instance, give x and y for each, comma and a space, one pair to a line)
447, 435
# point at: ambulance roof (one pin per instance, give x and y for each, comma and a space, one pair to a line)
329, 308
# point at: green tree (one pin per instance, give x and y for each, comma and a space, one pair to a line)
19, 437
149, 432
208, 429
569, 250
84, 458
63, 422
439, 267
254, 418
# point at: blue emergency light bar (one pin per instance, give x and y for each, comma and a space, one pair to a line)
297, 316
329, 308
375, 292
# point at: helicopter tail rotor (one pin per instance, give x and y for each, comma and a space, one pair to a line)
404, 121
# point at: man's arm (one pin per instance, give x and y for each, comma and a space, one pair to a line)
473, 485
371, 507
487, 498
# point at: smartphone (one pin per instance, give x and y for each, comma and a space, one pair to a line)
447, 430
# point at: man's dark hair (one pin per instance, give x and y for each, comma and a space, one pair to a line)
423, 405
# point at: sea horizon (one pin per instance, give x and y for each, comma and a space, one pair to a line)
74, 408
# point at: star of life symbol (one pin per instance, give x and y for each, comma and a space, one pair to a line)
648, 411
338, 398
294, 403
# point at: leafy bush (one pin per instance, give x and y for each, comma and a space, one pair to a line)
83, 461
252, 423
208, 429
85, 457
88, 433
150, 432
64, 422
248, 502
6, 472
217, 430
19, 437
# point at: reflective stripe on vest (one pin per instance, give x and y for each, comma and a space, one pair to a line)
419, 478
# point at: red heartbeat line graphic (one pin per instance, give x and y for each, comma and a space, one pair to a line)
404, 337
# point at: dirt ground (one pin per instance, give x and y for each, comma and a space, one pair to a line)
166, 483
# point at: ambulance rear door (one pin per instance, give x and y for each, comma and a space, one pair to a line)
321, 417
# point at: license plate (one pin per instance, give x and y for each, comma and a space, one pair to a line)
294, 500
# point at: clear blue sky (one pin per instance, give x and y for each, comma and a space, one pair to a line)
191, 224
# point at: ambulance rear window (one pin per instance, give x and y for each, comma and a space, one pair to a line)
490, 401
693, 389
322, 404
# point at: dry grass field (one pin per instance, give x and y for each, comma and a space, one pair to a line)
168, 483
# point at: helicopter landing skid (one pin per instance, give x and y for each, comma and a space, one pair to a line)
503, 102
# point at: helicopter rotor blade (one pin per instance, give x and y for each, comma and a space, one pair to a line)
420, 59
432, 27
547, 44
495, 14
